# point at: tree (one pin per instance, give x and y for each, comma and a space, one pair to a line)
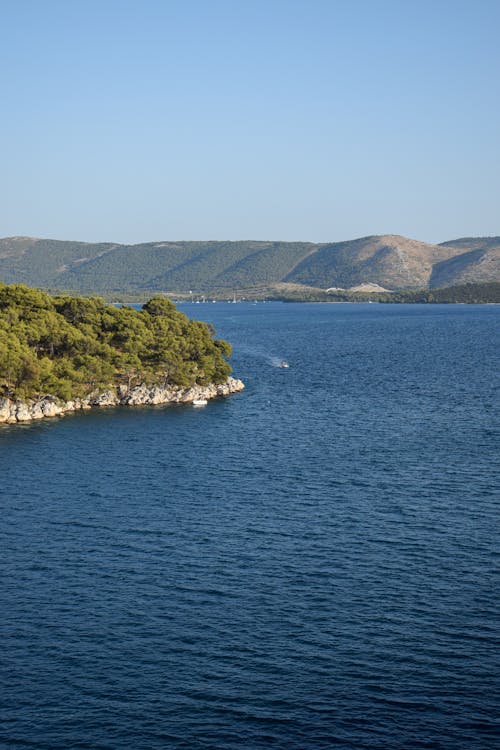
67, 346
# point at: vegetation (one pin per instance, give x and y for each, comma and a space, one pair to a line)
69, 346
463, 293
477, 293
218, 267
178, 266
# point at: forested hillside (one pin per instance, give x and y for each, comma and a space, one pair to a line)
69, 346
390, 261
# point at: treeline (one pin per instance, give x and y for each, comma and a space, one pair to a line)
488, 292
69, 346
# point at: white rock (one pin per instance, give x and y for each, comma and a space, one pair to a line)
5, 405
136, 396
20, 411
23, 412
51, 408
37, 410
107, 398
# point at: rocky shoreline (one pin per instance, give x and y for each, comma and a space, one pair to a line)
12, 411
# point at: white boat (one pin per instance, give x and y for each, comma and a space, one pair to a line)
284, 363
200, 402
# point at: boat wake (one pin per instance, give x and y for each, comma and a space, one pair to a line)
275, 362
269, 359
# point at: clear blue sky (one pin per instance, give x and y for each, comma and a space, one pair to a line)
249, 119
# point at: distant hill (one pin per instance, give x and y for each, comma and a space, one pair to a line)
477, 261
388, 261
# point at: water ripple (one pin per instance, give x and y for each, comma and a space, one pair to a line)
311, 564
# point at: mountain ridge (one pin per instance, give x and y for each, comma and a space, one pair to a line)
390, 261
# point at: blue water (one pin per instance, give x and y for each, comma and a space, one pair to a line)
309, 564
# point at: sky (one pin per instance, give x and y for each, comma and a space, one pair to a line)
319, 120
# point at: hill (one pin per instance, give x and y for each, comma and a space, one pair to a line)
218, 267
477, 260
390, 261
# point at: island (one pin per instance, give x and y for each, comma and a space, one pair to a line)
64, 353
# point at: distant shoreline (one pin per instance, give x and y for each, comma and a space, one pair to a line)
469, 294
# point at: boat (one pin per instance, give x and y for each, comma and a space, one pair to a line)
200, 402
284, 363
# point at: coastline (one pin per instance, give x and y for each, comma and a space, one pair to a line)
14, 411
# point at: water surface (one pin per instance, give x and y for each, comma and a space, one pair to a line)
308, 564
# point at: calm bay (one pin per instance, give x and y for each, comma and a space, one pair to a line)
307, 564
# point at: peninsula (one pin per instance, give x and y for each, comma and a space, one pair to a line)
60, 354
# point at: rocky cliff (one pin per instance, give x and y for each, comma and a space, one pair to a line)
12, 412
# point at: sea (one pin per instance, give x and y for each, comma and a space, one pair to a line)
310, 564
